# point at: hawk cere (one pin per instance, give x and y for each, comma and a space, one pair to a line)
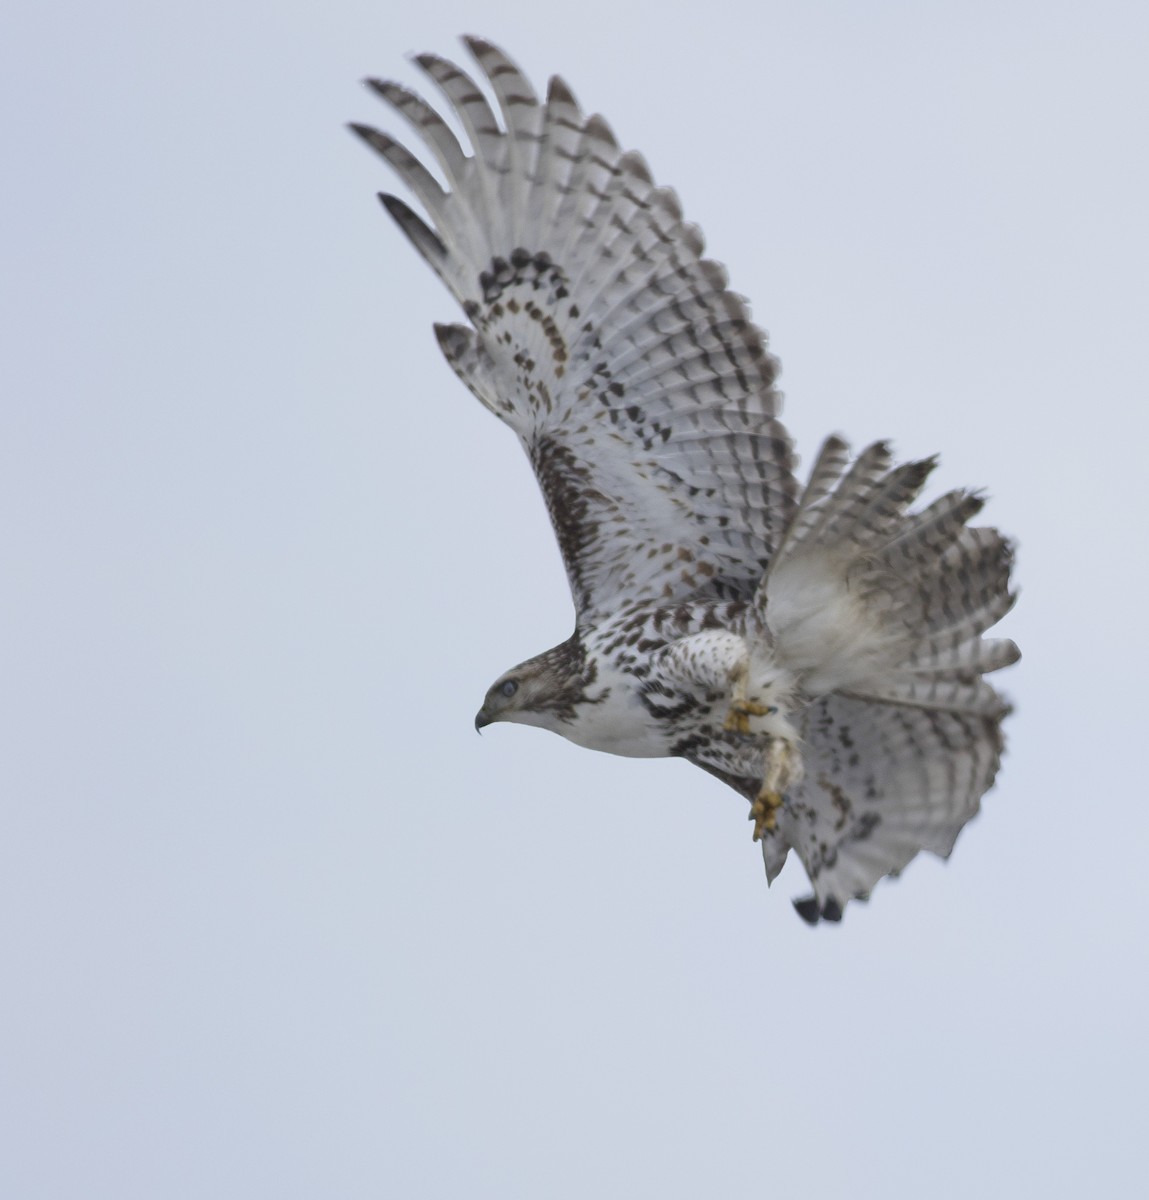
817, 648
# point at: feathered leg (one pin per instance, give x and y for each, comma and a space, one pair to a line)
718, 661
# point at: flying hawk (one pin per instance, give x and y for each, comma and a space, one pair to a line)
817, 648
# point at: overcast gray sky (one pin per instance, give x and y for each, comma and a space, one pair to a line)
274, 922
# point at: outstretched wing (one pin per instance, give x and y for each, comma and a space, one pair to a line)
883, 781
641, 390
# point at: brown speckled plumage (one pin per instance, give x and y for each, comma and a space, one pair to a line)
849, 627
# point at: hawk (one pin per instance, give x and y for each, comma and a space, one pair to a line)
818, 648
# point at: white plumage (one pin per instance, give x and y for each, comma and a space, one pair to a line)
820, 650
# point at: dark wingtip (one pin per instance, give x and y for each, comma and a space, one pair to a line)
394, 206
425, 239
807, 909
401, 213
831, 910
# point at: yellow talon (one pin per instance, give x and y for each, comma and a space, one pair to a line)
764, 813
736, 722
738, 718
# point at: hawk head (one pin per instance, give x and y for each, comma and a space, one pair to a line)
545, 690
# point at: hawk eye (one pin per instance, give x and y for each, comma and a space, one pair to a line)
508, 688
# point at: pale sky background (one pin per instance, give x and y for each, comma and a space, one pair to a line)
274, 922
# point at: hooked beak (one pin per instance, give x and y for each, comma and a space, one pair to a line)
482, 719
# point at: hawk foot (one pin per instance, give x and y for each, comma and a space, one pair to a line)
738, 718
764, 812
